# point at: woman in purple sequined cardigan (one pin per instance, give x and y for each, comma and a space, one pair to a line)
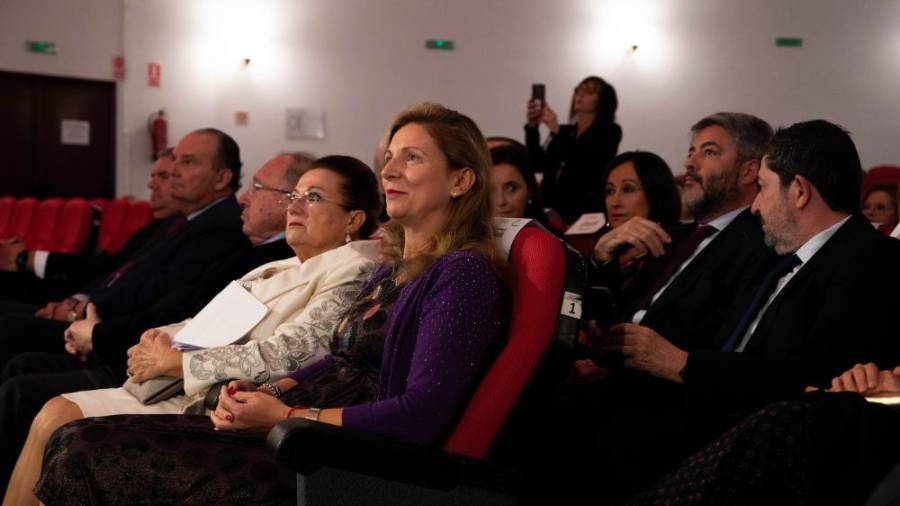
403, 359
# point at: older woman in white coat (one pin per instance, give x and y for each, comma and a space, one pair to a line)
334, 204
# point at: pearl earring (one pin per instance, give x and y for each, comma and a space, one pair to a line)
454, 194
347, 237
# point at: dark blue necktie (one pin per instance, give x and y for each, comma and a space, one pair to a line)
784, 266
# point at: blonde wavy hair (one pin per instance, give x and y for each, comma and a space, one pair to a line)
468, 225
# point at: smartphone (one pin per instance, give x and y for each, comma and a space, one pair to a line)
538, 92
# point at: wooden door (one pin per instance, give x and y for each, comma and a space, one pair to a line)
39, 160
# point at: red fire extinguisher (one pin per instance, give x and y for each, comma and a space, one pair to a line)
159, 131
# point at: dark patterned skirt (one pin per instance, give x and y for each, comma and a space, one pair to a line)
824, 449
160, 459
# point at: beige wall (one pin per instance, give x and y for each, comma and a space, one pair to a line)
363, 60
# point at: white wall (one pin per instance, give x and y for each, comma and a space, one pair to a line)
363, 60
88, 35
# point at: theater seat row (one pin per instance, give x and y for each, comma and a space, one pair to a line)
65, 226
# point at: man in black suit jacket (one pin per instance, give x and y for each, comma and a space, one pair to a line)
831, 307
98, 348
204, 177
686, 298
45, 277
683, 289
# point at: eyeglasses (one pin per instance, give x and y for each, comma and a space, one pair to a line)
255, 187
311, 198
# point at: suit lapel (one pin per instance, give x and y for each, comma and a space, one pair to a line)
733, 234
651, 270
828, 256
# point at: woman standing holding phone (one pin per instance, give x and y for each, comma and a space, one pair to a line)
577, 153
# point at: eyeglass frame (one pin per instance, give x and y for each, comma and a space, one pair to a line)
255, 187
292, 196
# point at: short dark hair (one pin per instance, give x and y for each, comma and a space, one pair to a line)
518, 157
503, 141
607, 100
359, 187
228, 155
751, 135
658, 184
824, 154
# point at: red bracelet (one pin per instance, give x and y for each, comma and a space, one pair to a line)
291, 411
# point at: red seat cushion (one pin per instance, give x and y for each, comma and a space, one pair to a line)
23, 213
537, 266
880, 175
44, 223
74, 227
111, 222
6, 212
98, 204
139, 214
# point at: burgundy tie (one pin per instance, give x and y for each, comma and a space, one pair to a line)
682, 251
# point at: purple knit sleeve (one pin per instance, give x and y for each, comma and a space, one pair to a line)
461, 315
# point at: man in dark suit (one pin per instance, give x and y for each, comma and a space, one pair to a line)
683, 290
691, 277
204, 177
44, 277
829, 303
98, 348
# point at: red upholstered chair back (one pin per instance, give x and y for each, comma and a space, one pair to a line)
880, 175
98, 203
43, 225
139, 214
74, 227
111, 222
537, 262
6, 212
23, 213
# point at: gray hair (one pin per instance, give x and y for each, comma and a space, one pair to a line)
300, 163
750, 134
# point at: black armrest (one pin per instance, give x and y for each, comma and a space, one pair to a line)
306, 446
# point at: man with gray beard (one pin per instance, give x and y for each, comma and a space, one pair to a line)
696, 269
690, 278
829, 302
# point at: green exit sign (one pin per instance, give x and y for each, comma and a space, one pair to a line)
440, 44
789, 42
40, 46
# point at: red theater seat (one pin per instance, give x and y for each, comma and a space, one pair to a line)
6, 212
98, 204
111, 221
44, 223
20, 223
880, 175
74, 227
339, 466
139, 214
